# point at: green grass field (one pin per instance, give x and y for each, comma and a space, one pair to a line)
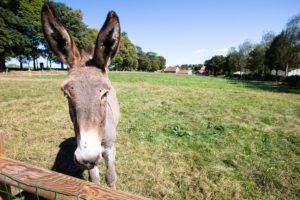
180, 137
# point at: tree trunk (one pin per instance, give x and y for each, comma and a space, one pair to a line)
286, 69
50, 63
21, 62
277, 77
2, 62
34, 66
62, 65
263, 72
241, 74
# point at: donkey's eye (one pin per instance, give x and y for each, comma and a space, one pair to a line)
103, 94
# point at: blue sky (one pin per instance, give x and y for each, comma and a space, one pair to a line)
190, 31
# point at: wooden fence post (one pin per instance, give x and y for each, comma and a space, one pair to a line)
3, 196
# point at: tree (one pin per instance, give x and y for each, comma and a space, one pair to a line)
30, 11
243, 54
256, 60
293, 33
126, 58
149, 61
12, 27
293, 29
232, 61
144, 61
162, 62
216, 65
282, 53
155, 62
267, 38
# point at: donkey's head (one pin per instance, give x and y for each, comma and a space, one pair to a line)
87, 85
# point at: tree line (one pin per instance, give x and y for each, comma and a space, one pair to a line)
273, 53
21, 37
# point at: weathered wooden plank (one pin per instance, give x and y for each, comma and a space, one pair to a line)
56, 181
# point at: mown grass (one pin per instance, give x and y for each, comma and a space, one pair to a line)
180, 137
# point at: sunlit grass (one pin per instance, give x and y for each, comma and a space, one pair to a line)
180, 137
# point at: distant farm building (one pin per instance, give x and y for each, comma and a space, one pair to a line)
238, 73
295, 72
185, 71
173, 70
176, 70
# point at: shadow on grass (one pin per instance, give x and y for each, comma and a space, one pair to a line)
64, 160
266, 86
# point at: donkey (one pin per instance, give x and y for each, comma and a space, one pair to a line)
93, 104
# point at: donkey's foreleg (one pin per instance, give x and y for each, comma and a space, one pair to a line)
94, 175
109, 155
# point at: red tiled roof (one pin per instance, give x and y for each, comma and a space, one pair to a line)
184, 71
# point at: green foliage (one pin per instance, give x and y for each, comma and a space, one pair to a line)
243, 55
155, 62
161, 62
144, 62
216, 65
293, 29
126, 58
277, 55
232, 61
256, 60
17, 35
72, 20
179, 132
194, 67
132, 57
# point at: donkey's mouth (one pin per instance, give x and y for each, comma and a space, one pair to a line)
85, 165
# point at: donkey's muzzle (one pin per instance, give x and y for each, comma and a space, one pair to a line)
88, 152
86, 164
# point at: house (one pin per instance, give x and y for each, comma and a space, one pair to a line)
173, 70
295, 72
185, 71
238, 73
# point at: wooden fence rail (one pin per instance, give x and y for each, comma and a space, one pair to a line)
31, 176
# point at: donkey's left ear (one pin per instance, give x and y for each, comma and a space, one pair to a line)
108, 40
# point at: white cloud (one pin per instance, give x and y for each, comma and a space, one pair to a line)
199, 51
221, 50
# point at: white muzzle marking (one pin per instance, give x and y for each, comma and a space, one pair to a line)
88, 148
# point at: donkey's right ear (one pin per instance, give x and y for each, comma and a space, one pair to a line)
58, 38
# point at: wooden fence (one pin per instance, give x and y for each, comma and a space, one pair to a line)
50, 184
